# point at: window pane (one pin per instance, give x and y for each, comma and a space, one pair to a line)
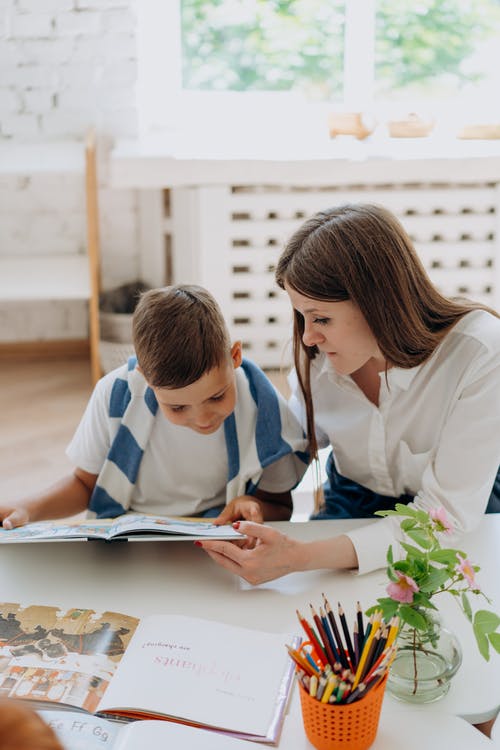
435, 49
263, 45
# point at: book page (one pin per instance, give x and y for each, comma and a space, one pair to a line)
196, 529
204, 672
78, 731
53, 530
165, 734
65, 658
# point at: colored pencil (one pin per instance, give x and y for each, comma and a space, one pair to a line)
370, 657
359, 616
333, 623
355, 639
334, 673
324, 638
329, 635
366, 648
318, 651
347, 636
313, 686
300, 661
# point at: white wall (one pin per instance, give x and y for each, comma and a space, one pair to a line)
65, 65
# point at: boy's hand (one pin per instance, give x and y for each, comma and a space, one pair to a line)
13, 516
21, 728
243, 508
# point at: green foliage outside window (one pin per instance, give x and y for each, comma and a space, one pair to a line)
283, 45
415, 42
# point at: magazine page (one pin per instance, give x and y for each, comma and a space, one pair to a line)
53, 531
205, 673
56, 657
131, 523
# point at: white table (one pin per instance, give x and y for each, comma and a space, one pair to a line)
176, 577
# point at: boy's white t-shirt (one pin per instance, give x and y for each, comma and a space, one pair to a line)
181, 473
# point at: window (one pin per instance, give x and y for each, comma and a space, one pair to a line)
228, 61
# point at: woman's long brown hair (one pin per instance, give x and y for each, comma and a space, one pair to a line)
360, 252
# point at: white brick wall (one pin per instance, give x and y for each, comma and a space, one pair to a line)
65, 65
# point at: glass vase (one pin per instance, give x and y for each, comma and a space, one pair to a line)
425, 662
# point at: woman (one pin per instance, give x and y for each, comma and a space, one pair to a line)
403, 383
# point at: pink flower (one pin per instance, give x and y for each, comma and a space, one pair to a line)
403, 590
466, 569
441, 521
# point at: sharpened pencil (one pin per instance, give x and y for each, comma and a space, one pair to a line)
347, 636
324, 637
361, 628
319, 654
335, 630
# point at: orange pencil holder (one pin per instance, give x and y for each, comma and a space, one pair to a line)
352, 726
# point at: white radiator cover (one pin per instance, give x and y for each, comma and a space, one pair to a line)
229, 237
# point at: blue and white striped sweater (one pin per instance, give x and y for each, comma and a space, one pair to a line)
259, 432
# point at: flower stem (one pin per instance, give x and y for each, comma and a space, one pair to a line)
415, 676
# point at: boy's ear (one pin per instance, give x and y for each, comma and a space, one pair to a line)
236, 354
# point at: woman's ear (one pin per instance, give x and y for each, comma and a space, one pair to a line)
236, 354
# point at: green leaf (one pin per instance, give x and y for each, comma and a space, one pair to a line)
466, 606
419, 538
422, 517
415, 551
404, 567
495, 641
421, 600
408, 524
486, 622
390, 556
482, 643
412, 617
391, 574
445, 556
405, 510
434, 579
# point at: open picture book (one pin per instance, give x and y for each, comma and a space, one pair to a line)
128, 526
182, 669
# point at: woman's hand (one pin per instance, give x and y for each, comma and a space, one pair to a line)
272, 554
269, 554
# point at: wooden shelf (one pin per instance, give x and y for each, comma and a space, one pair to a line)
55, 277
58, 157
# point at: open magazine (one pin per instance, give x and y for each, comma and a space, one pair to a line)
128, 526
197, 672
79, 732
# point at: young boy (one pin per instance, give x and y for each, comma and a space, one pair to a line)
188, 428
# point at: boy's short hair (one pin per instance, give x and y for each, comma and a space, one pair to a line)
179, 334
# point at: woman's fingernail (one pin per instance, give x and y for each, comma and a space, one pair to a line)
236, 525
197, 543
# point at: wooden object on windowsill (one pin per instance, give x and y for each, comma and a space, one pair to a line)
349, 123
489, 131
412, 126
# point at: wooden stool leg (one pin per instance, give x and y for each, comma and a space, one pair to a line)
93, 253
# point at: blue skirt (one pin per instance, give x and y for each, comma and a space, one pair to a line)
347, 499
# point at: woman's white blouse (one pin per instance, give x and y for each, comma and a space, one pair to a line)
434, 435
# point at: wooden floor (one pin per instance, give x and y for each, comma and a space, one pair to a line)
40, 406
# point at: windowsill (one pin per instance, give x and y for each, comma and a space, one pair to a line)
198, 158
